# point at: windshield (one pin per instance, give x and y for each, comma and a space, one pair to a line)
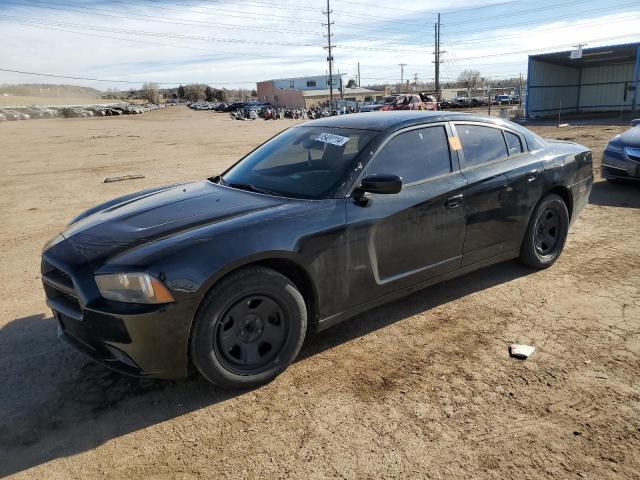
301, 162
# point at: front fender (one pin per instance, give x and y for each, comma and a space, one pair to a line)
313, 236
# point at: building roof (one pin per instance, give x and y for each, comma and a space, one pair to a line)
336, 91
302, 78
593, 57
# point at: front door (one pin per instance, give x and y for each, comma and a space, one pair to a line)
396, 241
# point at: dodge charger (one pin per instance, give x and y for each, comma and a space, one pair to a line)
330, 218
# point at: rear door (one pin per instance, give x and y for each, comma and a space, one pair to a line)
502, 181
399, 240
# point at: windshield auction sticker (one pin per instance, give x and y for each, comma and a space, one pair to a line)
332, 139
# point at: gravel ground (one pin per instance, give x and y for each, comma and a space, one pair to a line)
420, 388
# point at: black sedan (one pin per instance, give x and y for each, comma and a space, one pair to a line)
621, 157
326, 220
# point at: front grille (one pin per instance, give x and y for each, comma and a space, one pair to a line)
53, 273
60, 291
615, 172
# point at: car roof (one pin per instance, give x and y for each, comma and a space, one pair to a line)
403, 118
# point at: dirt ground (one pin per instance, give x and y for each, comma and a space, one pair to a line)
420, 388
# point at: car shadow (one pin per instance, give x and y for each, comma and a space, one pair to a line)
56, 403
619, 194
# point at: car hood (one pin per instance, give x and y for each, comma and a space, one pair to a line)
630, 138
134, 220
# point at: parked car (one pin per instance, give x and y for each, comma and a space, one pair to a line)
430, 102
409, 101
621, 157
14, 114
503, 99
379, 104
326, 220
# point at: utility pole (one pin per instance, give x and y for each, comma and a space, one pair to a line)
359, 75
437, 57
415, 82
329, 49
520, 93
402, 65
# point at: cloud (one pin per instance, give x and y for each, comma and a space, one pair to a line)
235, 43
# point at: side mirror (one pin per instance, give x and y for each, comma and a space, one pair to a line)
383, 184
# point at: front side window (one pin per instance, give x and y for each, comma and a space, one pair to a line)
481, 144
414, 155
301, 162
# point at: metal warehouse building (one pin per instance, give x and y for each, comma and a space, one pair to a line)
602, 79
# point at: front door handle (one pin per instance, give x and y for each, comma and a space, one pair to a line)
454, 202
532, 175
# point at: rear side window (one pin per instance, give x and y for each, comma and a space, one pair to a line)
415, 155
481, 144
513, 143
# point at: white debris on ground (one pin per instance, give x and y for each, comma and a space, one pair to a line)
521, 352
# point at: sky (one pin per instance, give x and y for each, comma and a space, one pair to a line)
234, 43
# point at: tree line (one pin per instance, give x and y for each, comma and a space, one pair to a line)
194, 92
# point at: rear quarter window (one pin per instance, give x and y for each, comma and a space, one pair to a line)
481, 144
513, 143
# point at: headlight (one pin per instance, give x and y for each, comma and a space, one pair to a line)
133, 288
633, 153
614, 148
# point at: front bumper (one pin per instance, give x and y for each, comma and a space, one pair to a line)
140, 340
619, 167
580, 194
152, 344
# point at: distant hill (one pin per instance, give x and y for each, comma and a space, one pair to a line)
47, 90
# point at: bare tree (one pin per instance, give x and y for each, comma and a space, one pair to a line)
151, 92
470, 79
195, 92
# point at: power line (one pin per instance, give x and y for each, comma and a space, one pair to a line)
537, 31
194, 37
149, 18
519, 12
505, 26
503, 54
175, 21
109, 81
188, 47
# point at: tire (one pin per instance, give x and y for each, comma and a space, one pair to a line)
248, 329
546, 233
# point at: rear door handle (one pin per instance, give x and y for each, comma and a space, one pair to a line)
532, 175
454, 202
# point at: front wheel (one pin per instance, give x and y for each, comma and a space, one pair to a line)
249, 328
546, 234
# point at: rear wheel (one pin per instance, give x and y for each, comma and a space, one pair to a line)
248, 329
546, 234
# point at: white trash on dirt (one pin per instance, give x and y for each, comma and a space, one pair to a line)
521, 352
